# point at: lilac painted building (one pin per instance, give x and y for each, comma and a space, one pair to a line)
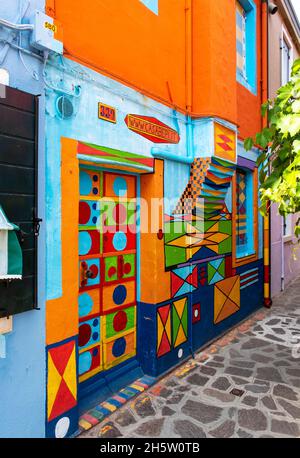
284, 48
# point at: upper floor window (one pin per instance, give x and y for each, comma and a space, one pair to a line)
286, 60
241, 40
245, 209
246, 43
151, 4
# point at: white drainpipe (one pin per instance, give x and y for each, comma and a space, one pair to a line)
282, 252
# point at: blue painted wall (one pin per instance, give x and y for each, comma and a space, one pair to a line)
22, 373
85, 126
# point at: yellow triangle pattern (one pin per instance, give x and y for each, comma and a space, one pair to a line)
70, 374
181, 337
54, 381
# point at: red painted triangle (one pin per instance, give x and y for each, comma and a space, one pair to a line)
164, 313
164, 345
61, 355
192, 279
64, 401
176, 283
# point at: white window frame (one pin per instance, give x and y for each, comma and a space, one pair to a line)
285, 37
288, 226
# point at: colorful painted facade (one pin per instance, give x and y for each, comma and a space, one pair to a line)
133, 287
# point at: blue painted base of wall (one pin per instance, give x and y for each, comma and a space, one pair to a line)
200, 333
96, 390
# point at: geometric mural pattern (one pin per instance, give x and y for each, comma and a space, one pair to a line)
249, 277
179, 322
225, 143
202, 204
226, 298
62, 381
163, 330
215, 270
172, 325
184, 280
241, 208
192, 191
214, 239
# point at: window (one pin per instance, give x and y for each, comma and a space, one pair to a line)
287, 225
244, 214
246, 43
286, 60
241, 40
151, 4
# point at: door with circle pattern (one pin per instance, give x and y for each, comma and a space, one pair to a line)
107, 271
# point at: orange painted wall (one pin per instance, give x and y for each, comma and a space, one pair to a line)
248, 104
129, 40
152, 249
62, 313
214, 59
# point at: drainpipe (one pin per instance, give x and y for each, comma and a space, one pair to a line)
189, 76
265, 51
282, 252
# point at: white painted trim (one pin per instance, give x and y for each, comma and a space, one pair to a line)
3, 253
4, 223
285, 37
10, 277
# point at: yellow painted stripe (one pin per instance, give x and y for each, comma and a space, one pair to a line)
137, 387
85, 424
266, 290
109, 406
266, 256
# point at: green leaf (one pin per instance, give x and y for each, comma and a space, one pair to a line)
248, 144
296, 146
264, 108
296, 67
261, 158
296, 106
289, 124
297, 231
282, 184
262, 140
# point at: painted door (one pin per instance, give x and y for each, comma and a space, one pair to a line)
107, 271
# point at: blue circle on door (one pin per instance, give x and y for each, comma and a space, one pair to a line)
85, 243
85, 362
119, 241
119, 294
85, 183
85, 303
120, 186
119, 347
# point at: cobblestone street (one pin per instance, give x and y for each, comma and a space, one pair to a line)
246, 384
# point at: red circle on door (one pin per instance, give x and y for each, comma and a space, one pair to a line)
84, 334
84, 212
127, 268
120, 321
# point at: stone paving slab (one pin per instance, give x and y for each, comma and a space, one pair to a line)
246, 384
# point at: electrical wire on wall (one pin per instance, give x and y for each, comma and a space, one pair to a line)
23, 8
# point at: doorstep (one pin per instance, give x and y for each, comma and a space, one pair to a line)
98, 413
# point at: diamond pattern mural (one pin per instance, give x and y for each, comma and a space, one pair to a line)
226, 298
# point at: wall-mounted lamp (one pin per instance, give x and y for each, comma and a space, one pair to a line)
272, 8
